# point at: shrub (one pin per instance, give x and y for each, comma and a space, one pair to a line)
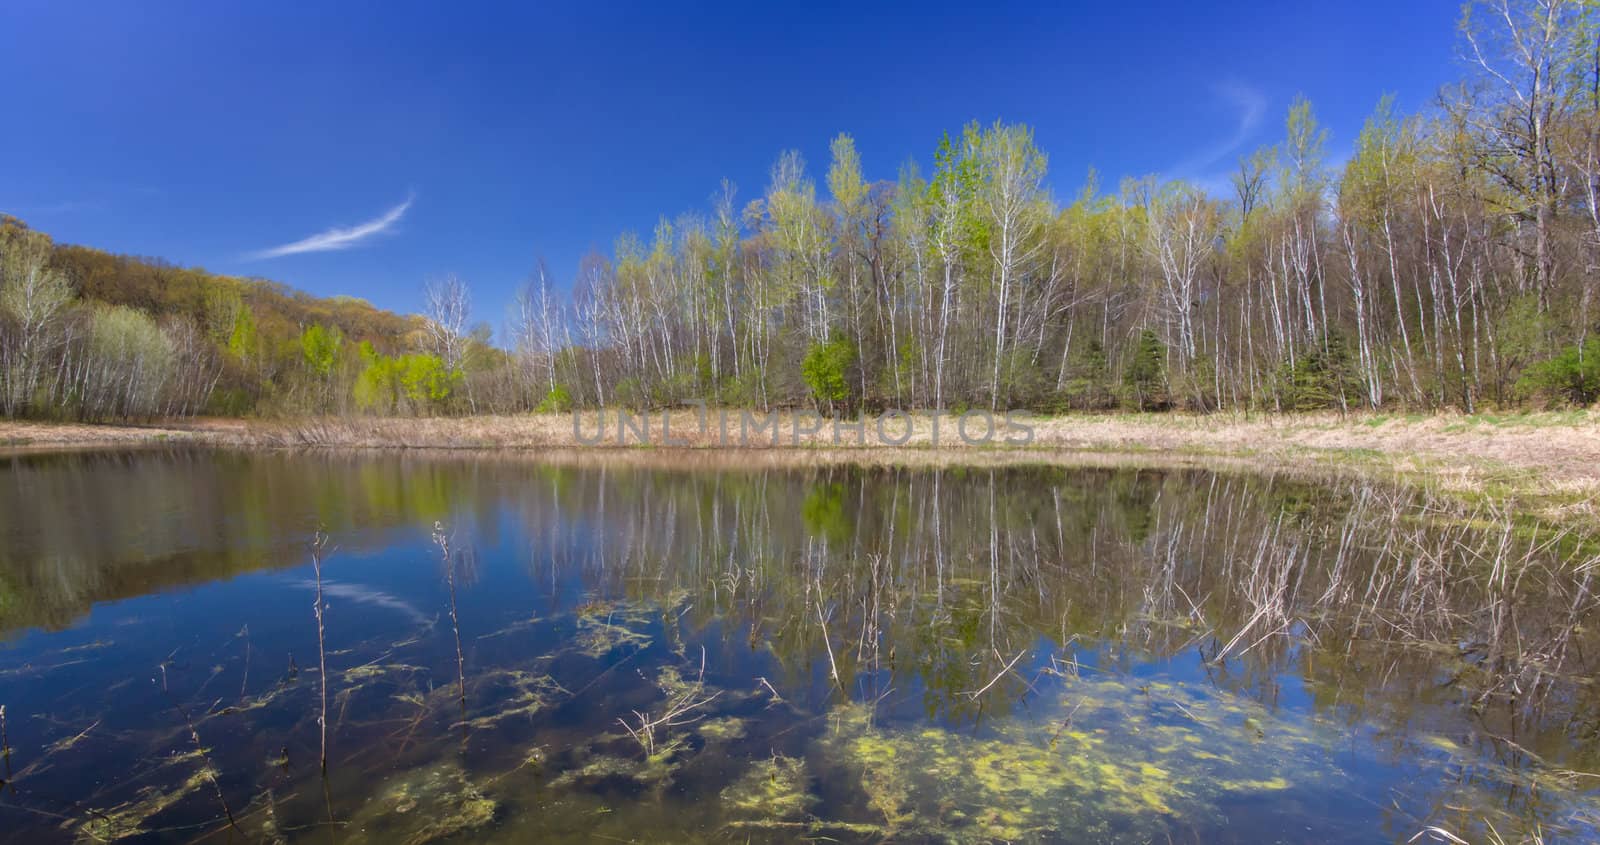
1089, 387
1573, 375
426, 380
826, 370
557, 401
1320, 378
1145, 375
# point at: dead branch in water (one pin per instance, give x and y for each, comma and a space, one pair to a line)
5, 743
677, 709
319, 542
208, 769
996, 679
442, 540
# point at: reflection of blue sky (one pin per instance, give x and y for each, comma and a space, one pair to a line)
541, 553
366, 595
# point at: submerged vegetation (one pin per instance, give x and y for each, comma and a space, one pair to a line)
960, 655
1121, 762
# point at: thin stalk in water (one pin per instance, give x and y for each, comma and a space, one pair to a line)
209, 770
442, 540
244, 682
5, 744
319, 543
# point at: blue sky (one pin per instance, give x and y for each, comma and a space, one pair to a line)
361, 148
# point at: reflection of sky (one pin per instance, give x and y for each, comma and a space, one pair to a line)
536, 557
373, 597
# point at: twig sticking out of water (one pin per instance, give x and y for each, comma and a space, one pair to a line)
833, 665
205, 759
676, 713
5, 742
442, 540
776, 698
319, 543
244, 682
996, 679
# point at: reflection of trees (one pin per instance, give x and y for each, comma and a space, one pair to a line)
1381, 604
1387, 608
91, 527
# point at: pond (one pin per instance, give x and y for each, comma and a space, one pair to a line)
654, 649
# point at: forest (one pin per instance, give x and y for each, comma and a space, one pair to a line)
1451, 262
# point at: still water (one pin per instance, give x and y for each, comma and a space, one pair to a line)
626, 649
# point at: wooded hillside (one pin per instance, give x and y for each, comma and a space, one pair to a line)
88, 334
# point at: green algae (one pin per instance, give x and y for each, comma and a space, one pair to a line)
1119, 762
510, 694
604, 630
724, 729
423, 805
369, 672
772, 789
130, 818
653, 770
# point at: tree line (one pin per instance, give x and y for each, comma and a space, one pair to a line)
89, 335
1450, 262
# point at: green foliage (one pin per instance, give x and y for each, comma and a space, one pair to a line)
1572, 376
953, 192
1522, 329
845, 183
1320, 378
1089, 387
387, 384
1197, 386
674, 388
138, 359
1303, 150
230, 402
242, 341
222, 307
557, 401
1385, 155
826, 370
31, 291
629, 392
319, 348
425, 379
743, 390
1146, 373
377, 387
246, 337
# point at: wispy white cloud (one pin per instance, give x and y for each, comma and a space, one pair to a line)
1250, 105
338, 237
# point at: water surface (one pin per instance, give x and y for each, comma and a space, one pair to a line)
684, 653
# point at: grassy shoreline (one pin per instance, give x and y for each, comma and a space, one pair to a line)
1546, 464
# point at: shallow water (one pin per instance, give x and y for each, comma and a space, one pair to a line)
665, 654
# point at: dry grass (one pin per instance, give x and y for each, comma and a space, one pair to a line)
1548, 461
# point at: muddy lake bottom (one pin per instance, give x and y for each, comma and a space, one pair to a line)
519, 652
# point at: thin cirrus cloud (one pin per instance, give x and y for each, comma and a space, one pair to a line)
1250, 105
340, 237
